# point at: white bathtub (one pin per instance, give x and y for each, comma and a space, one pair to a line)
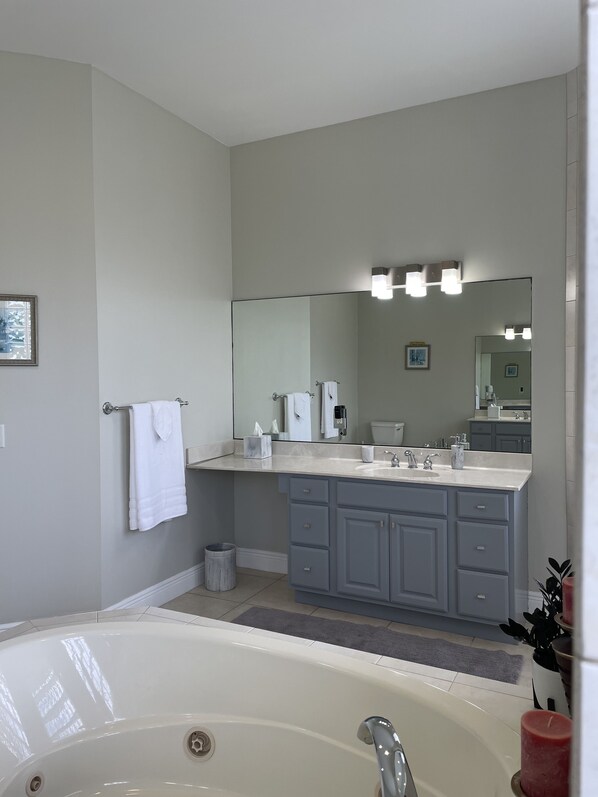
105, 709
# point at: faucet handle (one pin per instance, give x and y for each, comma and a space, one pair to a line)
428, 461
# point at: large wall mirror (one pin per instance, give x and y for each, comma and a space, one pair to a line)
288, 345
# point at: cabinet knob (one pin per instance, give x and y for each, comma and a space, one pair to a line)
307, 525
480, 506
393, 525
306, 490
382, 524
307, 569
480, 547
480, 596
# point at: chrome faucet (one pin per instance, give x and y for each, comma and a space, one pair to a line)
394, 461
411, 459
395, 775
428, 461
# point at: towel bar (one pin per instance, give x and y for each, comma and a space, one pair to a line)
330, 380
276, 396
107, 407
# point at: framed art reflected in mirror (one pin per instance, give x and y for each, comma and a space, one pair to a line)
18, 329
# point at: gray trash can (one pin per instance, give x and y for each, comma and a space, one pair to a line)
221, 573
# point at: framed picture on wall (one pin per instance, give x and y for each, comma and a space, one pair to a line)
18, 329
512, 369
417, 356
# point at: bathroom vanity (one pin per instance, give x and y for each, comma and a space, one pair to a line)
445, 549
506, 435
443, 557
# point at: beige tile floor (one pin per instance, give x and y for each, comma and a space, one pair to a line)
257, 588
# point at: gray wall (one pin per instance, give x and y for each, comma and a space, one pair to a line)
153, 322
162, 206
50, 468
479, 178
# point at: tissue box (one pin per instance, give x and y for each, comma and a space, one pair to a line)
494, 412
255, 447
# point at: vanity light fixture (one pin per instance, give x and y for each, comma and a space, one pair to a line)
381, 288
416, 278
511, 330
414, 282
450, 282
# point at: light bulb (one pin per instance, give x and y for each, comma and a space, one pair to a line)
414, 285
449, 282
527, 333
509, 333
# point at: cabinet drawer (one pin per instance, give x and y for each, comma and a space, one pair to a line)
476, 504
481, 427
397, 498
483, 595
520, 428
482, 546
309, 489
309, 524
309, 568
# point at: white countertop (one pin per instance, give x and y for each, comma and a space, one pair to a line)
503, 419
442, 475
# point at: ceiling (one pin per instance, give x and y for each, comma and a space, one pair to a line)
244, 70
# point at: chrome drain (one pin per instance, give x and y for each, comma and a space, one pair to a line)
199, 743
34, 785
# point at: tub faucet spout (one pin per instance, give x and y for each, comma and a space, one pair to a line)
395, 775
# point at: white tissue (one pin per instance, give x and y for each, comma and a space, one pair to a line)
274, 427
258, 431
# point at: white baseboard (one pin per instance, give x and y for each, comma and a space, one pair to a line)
269, 561
166, 590
177, 585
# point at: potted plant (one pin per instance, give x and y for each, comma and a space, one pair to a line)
544, 628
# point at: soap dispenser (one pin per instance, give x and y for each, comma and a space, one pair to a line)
457, 453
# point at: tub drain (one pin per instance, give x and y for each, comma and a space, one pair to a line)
199, 743
34, 785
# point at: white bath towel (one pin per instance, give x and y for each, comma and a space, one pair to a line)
157, 465
329, 402
298, 416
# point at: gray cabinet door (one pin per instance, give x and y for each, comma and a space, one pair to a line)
418, 562
362, 553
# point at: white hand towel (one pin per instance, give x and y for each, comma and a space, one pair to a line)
298, 416
157, 465
329, 401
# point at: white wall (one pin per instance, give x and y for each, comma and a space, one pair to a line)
49, 470
479, 178
162, 226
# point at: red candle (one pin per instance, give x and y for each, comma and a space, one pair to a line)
545, 753
568, 599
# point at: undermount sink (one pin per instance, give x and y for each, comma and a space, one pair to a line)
400, 472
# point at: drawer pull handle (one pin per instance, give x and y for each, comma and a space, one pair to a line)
307, 569
480, 596
307, 525
306, 490
480, 547
480, 506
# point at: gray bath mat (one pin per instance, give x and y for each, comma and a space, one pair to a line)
496, 664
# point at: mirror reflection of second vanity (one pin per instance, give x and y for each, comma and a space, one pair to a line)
503, 370
291, 344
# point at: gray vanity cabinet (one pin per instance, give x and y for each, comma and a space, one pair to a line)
510, 438
437, 556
